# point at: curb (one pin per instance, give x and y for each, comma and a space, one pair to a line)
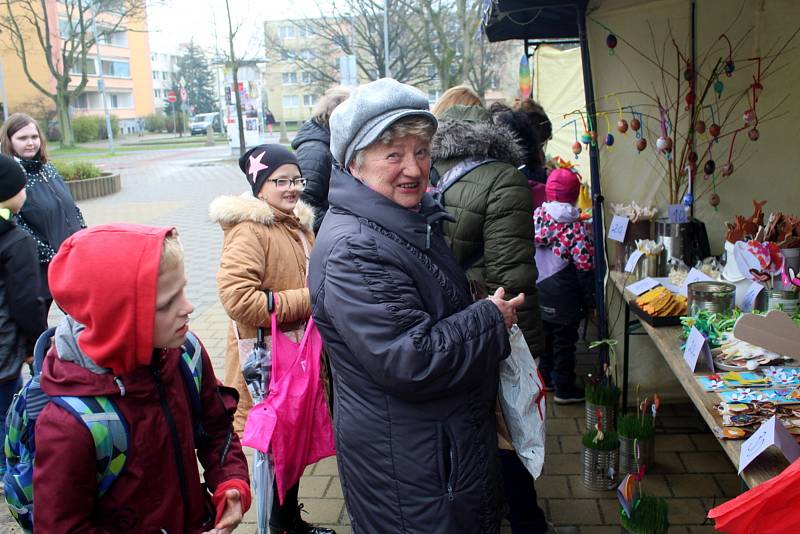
101, 186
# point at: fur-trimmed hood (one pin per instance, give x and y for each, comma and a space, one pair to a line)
229, 210
459, 139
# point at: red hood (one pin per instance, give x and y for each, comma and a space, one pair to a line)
106, 278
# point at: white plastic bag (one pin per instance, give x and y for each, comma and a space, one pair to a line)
522, 400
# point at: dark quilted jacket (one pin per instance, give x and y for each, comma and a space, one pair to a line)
415, 368
493, 233
312, 147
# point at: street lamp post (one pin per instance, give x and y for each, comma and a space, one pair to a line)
101, 85
387, 72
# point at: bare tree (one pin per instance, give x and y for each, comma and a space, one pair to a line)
233, 63
64, 43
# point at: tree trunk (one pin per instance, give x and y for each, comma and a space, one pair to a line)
238, 101
64, 119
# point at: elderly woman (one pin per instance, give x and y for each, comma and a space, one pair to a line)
414, 359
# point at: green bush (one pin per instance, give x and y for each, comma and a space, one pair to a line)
155, 123
101, 126
77, 170
85, 129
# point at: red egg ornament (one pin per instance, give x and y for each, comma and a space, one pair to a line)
700, 127
611, 41
754, 134
641, 144
749, 116
622, 126
692, 157
689, 99
577, 148
714, 130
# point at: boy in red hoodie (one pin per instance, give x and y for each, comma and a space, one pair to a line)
122, 287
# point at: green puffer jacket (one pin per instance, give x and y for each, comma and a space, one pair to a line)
493, 232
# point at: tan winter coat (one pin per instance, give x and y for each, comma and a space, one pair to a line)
262, 251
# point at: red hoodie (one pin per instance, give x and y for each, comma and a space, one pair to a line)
105, 279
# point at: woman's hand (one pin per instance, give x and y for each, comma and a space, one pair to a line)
231, 516
508, 308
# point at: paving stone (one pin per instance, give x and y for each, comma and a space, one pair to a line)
578, 490
686, 512
703, 529
575, 512
323, 511
548, 486
577, 410
571, 443
656, 485
609, 507
706, 462
606, 529
552, 445
674, 442
730, 484
561, 426
705, 442
327, 467
335, 489
668, 462
684, 485
562, 464
314, 486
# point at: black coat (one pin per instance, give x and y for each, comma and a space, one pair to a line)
415, 368
22, 315
312, 147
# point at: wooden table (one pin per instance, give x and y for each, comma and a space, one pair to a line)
667, 340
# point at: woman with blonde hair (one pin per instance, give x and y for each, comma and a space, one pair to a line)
50, 214
460, 95
312, 146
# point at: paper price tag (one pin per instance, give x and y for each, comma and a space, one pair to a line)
772, 432
750, 297
633, 260
641, 286
677, 214
619, 225
696, 276
695, 346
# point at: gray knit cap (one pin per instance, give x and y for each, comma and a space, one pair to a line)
358, 121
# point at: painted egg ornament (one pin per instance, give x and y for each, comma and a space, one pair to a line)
635, 125
727, 169
689, 99
688, 74
710, 167
577, 148
641, 144
714, 130
586, 138
714, 200
700, 127
609, 140
754, 134
730, 66
611, 41
622, 126
593, 135
688, 199
664, 145
719, 87
692, 157
749, 116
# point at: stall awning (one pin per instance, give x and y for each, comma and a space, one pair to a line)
534, 19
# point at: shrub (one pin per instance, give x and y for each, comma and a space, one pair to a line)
157, 122
101, 126
85, 129
77, 170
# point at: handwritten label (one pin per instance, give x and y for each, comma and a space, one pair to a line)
750, 297
677, 214
695, 346
641, 286
770, 433
633, 260
619, 225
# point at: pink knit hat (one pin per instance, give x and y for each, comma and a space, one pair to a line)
563, 185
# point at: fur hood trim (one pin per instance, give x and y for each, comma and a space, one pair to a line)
458, 139
230, 209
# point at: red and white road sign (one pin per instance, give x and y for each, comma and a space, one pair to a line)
172, 97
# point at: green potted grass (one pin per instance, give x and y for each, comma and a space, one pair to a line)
602, 397
600, 458
637, 436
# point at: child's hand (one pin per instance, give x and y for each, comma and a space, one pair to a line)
231, 516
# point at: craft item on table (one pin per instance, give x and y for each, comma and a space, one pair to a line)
761, 262
746, 227
732, 380
712, 325
775, 331
634, 212
733, 433
661, 302
735, 354
710, 267
770, 433
649, 247
782, 376
678, 271
776, 396
784, 230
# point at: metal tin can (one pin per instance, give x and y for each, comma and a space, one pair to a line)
716, 297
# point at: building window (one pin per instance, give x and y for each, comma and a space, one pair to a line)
164, 75
309, 100
308, 77
287, 32
289, 78
306, 54
120, 100
116, 38
116, 69
155, 74
291, 101
89, 67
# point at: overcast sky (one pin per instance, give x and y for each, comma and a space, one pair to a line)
172, 22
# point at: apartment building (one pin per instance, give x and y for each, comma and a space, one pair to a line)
124, 61
164, 67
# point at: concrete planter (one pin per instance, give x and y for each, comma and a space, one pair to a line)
101, 186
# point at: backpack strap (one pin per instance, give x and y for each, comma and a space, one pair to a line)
40, 349
458, 171
191, 366
108, 429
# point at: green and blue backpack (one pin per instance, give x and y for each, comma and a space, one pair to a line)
101, 417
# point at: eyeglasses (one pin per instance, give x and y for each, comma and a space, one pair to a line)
283, 183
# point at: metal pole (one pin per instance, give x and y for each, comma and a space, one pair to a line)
5, 94
101, 85
387, 71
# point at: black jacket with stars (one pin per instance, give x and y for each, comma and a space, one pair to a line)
49, 214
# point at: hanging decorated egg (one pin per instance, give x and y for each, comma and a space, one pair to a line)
586, 138
714, 200
754, 134
727, 169
749, 116
525, 78
635, 124
710, 167
689, 99
700, 127
641, 144
718, 87
609, 140
692, 157
714, 130
688, 199
730, 66
688, 74
611, 41
622, 126
664, 145
593, 135
577, 148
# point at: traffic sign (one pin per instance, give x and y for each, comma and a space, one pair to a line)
183, 94
172, 97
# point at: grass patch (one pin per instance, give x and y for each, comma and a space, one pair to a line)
636, 426
609, 442
649, 516
601, 394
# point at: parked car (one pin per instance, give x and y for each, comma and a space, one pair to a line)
202, 121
